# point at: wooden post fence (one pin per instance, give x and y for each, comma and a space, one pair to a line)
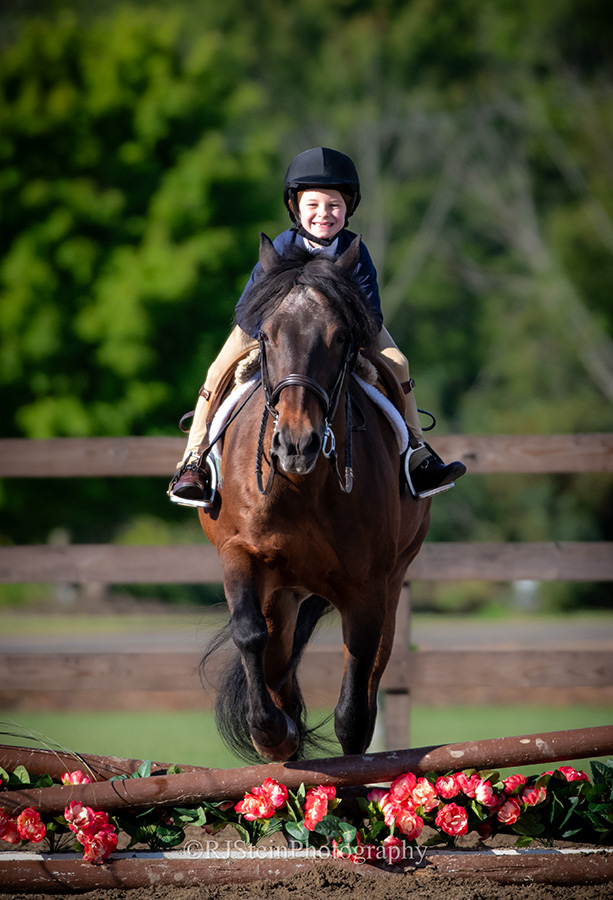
484, 454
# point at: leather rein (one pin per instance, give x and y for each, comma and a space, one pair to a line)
329, 403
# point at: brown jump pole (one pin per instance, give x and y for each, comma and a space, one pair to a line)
40, 761
190, 788
61, 874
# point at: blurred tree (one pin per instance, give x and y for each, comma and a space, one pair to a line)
133, 184
131, 195
143, 150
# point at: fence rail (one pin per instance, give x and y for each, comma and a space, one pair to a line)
194, 564
157, 456
71, 677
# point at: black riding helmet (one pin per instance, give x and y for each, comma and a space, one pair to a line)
321, 167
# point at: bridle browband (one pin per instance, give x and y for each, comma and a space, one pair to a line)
329, 403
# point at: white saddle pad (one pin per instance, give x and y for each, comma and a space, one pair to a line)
225, 411
395, 419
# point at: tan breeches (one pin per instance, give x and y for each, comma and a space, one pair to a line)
399, 364
238, 341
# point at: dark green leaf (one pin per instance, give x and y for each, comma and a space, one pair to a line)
524, 840
602, 773
529, 825
144, 770
21, 775
329, 826
169, 835
298, 832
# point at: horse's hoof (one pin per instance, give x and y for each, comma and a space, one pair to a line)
283, 751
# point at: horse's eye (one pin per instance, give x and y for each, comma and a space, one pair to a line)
342, 337
264, 337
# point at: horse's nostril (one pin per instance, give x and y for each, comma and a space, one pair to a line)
297, 445
313, 445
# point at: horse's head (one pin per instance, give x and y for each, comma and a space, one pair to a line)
312, 319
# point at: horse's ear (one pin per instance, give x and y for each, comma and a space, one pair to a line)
351, 257
268, 255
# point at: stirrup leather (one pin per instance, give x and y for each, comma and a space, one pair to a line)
423, 494
209, 497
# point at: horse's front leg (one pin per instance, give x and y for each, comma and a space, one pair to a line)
368, 634
273, 733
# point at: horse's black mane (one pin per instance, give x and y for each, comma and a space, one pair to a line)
337, 284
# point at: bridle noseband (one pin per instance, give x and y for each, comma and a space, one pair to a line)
329, 403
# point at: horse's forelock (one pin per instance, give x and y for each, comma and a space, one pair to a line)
319, 273
344, 297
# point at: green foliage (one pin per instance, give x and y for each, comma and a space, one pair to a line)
142, 149
130, 202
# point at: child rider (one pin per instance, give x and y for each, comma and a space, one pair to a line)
321, 192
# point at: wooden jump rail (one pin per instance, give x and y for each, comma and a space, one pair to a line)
55, 874
198, 784
198, 564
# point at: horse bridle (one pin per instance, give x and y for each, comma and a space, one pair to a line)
329, 403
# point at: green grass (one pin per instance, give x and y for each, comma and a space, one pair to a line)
436, 725
174, 737
28, 624
191, 737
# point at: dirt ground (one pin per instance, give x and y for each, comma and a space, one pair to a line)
331, 883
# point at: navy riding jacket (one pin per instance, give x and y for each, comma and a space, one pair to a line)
365, 272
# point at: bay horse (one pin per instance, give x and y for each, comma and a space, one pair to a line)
304, 537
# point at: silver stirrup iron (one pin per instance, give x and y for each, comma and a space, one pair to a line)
209, 498
422, 496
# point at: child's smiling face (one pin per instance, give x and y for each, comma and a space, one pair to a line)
322, 212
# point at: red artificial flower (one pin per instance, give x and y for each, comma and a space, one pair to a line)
533, 795
409, 823
573, 774
8, 828
276, 792
484, 794
394, 849
468, 785
316, 805
513, 783
452, 819
76, 777
447, 786
98, 847
30, 826
509, 812
93, 831
376, 795
80, 818
390, 809
255, 806
402, 787
424, 795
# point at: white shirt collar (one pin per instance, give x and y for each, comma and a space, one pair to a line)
318, 249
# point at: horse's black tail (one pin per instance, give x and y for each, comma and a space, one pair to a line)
231, 704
